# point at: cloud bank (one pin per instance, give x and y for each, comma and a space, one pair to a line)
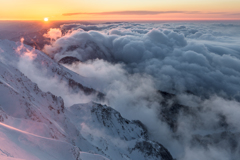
180, 60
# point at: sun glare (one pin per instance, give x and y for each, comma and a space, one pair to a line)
46, 19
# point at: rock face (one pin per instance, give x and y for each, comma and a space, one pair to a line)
153, 150
171, 109
116, 136
68, 60
37, 125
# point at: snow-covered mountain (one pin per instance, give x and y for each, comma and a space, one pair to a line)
159, 90
36, 124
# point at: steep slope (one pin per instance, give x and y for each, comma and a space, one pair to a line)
38, 125
25, 107
24, 145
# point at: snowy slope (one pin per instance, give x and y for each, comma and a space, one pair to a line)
38, 125
25, 107
24, 145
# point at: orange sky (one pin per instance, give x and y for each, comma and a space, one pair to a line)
106, 9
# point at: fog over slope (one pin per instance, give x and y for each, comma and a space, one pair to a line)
39, 125
180, 79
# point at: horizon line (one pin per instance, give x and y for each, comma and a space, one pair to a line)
122, 20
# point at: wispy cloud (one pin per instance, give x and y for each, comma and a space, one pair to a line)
132, 13
146, 13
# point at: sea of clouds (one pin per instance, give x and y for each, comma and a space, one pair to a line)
199, 62
201, 58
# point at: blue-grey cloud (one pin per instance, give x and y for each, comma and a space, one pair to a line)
178, 63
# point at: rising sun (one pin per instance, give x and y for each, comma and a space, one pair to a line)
46, 19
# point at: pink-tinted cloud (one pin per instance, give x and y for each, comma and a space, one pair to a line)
130, 13
143, 13
53, 34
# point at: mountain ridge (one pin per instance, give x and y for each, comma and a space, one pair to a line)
25, 107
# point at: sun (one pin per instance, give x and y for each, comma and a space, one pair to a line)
46, 19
